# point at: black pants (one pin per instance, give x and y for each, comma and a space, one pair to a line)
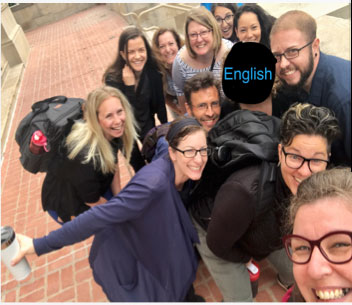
137, 161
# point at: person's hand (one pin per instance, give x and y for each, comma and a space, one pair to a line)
249, 262
26, 247
128, 76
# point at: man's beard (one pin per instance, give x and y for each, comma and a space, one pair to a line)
304, 76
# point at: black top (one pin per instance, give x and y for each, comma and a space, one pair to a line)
69, 184
146, 100
236, 231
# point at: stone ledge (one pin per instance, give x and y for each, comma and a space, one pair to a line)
9, 92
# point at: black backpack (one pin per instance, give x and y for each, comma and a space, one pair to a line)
240, 139
151, 139
54, 117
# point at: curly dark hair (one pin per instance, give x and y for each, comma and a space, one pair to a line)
266, 21
308, 119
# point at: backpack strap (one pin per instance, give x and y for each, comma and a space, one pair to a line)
43, 105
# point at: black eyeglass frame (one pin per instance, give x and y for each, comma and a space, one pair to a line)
220, 20
290, 50
304, 160
196, 151
312, 244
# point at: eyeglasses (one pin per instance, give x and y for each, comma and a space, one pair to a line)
191, 153
292, 53
335, 246
202, 34
296, 161
205, 106
227, 19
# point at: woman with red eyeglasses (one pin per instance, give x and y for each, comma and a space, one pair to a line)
320, 247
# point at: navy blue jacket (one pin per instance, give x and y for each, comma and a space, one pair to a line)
143, 249
331, 88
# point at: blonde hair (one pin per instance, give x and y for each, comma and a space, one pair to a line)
331, 183
298, 20
89, 135
202, 16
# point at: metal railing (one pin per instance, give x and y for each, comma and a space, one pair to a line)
138, 17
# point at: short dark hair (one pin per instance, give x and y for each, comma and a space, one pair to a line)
202, 80
308, 119
266, 21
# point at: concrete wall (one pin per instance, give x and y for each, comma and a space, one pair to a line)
33, 15
14, 44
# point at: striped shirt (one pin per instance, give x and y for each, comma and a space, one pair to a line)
181, 71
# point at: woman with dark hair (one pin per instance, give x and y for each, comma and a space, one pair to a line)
241, 228
165, 45
224, 15
143, 250
253, 24
135, 73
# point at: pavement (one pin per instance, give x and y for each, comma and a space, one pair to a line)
69, 57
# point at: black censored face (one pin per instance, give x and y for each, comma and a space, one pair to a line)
249, 73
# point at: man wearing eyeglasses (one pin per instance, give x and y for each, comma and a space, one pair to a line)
203, 102
307, 74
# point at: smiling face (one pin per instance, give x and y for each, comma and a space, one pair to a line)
200, 45
319, 277
168, 47
307, 146
203, 107
136, 55
225, 27
111, 117
248, 28
189, 168
295, 72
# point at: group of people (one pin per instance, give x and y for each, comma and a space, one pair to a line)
146, 243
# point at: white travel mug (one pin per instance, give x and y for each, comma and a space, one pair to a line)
9, 249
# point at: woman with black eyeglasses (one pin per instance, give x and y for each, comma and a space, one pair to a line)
143, 250
224, 15
320, 246
240, 229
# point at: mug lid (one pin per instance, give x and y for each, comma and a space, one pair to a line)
7, 236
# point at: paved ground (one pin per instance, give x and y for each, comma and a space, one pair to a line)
68, 58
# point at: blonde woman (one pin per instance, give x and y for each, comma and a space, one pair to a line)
203, 51
89, 165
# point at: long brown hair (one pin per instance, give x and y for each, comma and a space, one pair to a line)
114, 71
